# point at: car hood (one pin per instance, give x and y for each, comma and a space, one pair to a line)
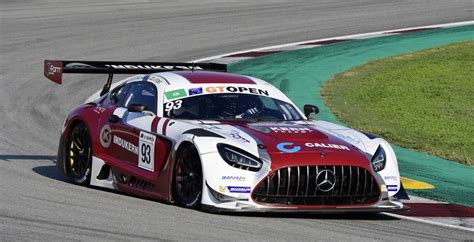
301, 144
281, 137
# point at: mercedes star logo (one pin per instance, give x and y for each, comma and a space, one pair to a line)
325, 180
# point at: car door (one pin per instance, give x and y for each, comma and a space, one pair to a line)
130, 142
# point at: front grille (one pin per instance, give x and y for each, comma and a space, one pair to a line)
298, 186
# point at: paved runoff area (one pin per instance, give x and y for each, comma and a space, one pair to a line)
37, 203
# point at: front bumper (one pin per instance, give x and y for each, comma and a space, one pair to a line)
293, 189
219, 202
383, 206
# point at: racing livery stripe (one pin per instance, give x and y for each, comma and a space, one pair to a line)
177, 80
214, 77
165, 125
154, 124
145, 78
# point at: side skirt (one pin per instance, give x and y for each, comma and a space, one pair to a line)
101, 174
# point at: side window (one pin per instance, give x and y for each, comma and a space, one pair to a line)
269, 103
141, 93
117, 96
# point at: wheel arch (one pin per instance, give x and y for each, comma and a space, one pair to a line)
179, 151
64, 139
179, 146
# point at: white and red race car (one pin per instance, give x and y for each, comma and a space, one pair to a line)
190, 134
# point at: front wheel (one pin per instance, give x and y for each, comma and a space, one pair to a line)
79, 154
187, 178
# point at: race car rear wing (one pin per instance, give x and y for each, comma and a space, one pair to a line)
54, 69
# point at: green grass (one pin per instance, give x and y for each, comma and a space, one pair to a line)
422, 100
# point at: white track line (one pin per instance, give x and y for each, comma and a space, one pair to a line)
416, 199
428, 222
355, 36
359, 36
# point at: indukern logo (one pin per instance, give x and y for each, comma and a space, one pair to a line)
288, 147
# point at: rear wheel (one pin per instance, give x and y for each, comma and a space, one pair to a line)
187, 178
79, 154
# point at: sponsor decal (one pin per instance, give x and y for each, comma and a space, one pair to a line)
288, 147
195, 91
222, 189
155, 79
393, 178
175, 94
347, 137
99, 109
105, 136
236, 135
392, 188
233, 178
233, 89
154, 67
238, 189
292, 130
125, 144
146, 157
283, 129
51, 69
328, 146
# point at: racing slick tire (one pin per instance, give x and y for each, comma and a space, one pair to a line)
79, 154
187, 178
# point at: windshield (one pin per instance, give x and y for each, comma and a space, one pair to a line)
231, 107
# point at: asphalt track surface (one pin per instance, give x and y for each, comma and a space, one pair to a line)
36, 203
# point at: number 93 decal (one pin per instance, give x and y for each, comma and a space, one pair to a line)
173, 105
146, 155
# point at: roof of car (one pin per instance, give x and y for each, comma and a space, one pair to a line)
190, 78
205, 77
177, 80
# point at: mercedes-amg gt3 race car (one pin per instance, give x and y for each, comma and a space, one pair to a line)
190, 134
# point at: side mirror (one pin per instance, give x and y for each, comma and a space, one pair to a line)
136, 108
114, 118
310, 109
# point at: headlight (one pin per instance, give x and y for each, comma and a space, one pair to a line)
239, 158
379, 159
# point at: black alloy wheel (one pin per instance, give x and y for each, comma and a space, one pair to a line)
187, 178
79, 154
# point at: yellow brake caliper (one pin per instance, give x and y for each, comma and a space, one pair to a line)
71, 154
